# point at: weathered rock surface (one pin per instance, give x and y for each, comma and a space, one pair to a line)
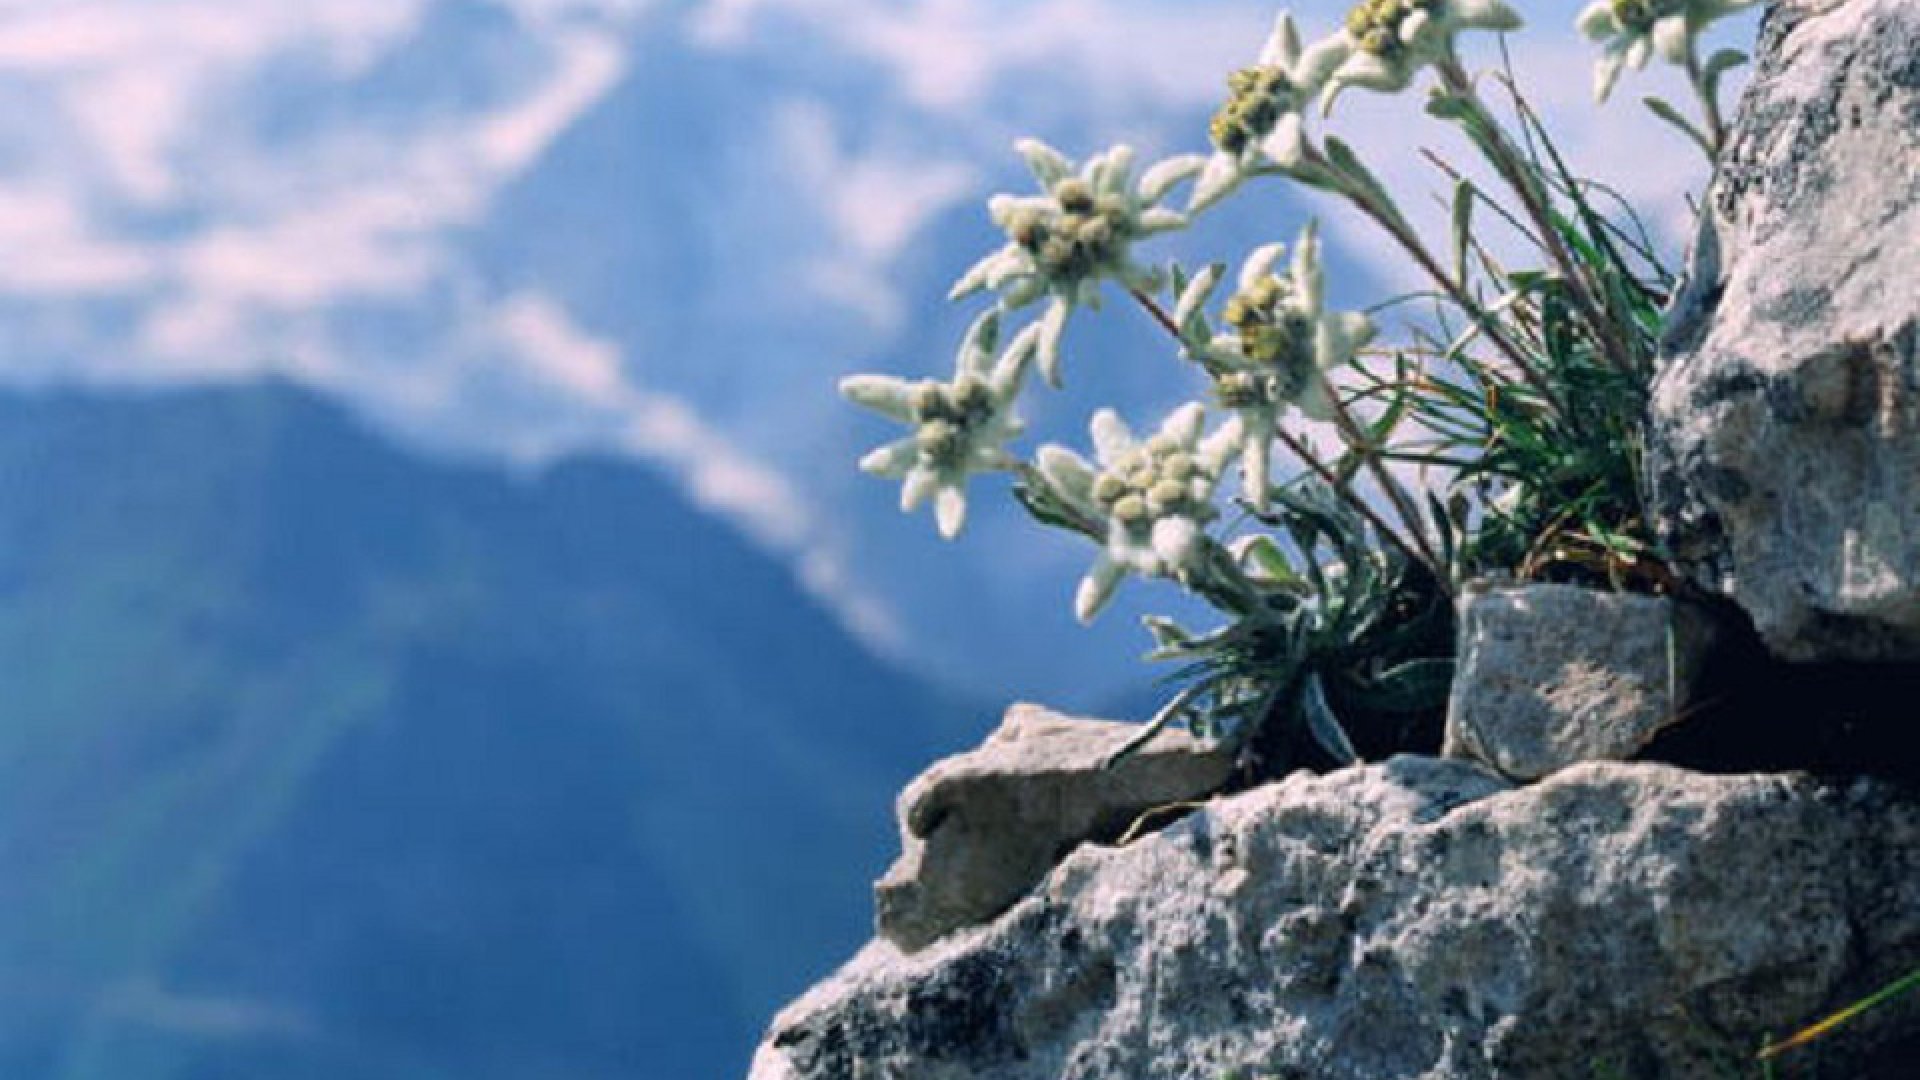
1786, 418
979, 829
1414, 919
1553, 675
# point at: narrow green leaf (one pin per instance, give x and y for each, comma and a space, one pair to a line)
1323, 725
1672, 116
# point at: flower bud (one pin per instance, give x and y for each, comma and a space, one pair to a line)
1074, 195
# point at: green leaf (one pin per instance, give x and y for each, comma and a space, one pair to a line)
1323, 725
1349, 166
1671, 115
1717, 65
1463, 196
1270, 562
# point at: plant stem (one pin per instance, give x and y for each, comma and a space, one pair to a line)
1507, 161
1709, 107
1397, 228
1370, 456
1346, 493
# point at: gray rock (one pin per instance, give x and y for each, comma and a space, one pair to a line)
1553, 675
980, 829
1413, 919
1786, 416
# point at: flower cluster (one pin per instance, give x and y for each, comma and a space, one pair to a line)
1260, 123
1386, 42
1154, 496
1272, 350
1080, 230
1280, 344
960, 427
1631, 31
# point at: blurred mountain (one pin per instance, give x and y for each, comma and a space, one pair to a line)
318, 759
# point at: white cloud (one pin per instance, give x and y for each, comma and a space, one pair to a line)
949, 54
589, 378
875, 202
54, 249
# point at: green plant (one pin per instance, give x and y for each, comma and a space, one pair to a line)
1499, 433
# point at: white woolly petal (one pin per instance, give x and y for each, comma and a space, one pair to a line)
1196, 294
1109, 171
1069, 474
1338, 337
1011, 369
1314, 401
885, 394
1052, 325
1673, 37
1494, 15
1255, 458
893, 459
1286, 145
1023, 292
1415, 26
1220, 176
1596, 21
1639, 51
1282, 47
1183, 424
976, 348
1308, 282
1260, 264
1175, 540
1369, 72
1006, 263
950, 510
1049, 166
1606, 72
1161, 178
1096, 588
976, 276
1221, 445
1002, 208
1159, 219
921, 483
1112, 439
1319, 62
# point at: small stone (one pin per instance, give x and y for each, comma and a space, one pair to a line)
1554, 675
978, 830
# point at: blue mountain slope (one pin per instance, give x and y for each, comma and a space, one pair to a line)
320, 760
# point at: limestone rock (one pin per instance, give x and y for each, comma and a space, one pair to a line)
1786, 417
1415, 919
1553, 675
980, 829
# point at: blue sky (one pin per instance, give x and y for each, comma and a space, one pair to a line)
517, 229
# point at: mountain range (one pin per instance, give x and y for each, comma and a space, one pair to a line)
319, 758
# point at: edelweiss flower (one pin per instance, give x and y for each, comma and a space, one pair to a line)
960, 427
1282, 341
1154, 496
1060, 244
1260, 121
1386, 42
1632, 29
